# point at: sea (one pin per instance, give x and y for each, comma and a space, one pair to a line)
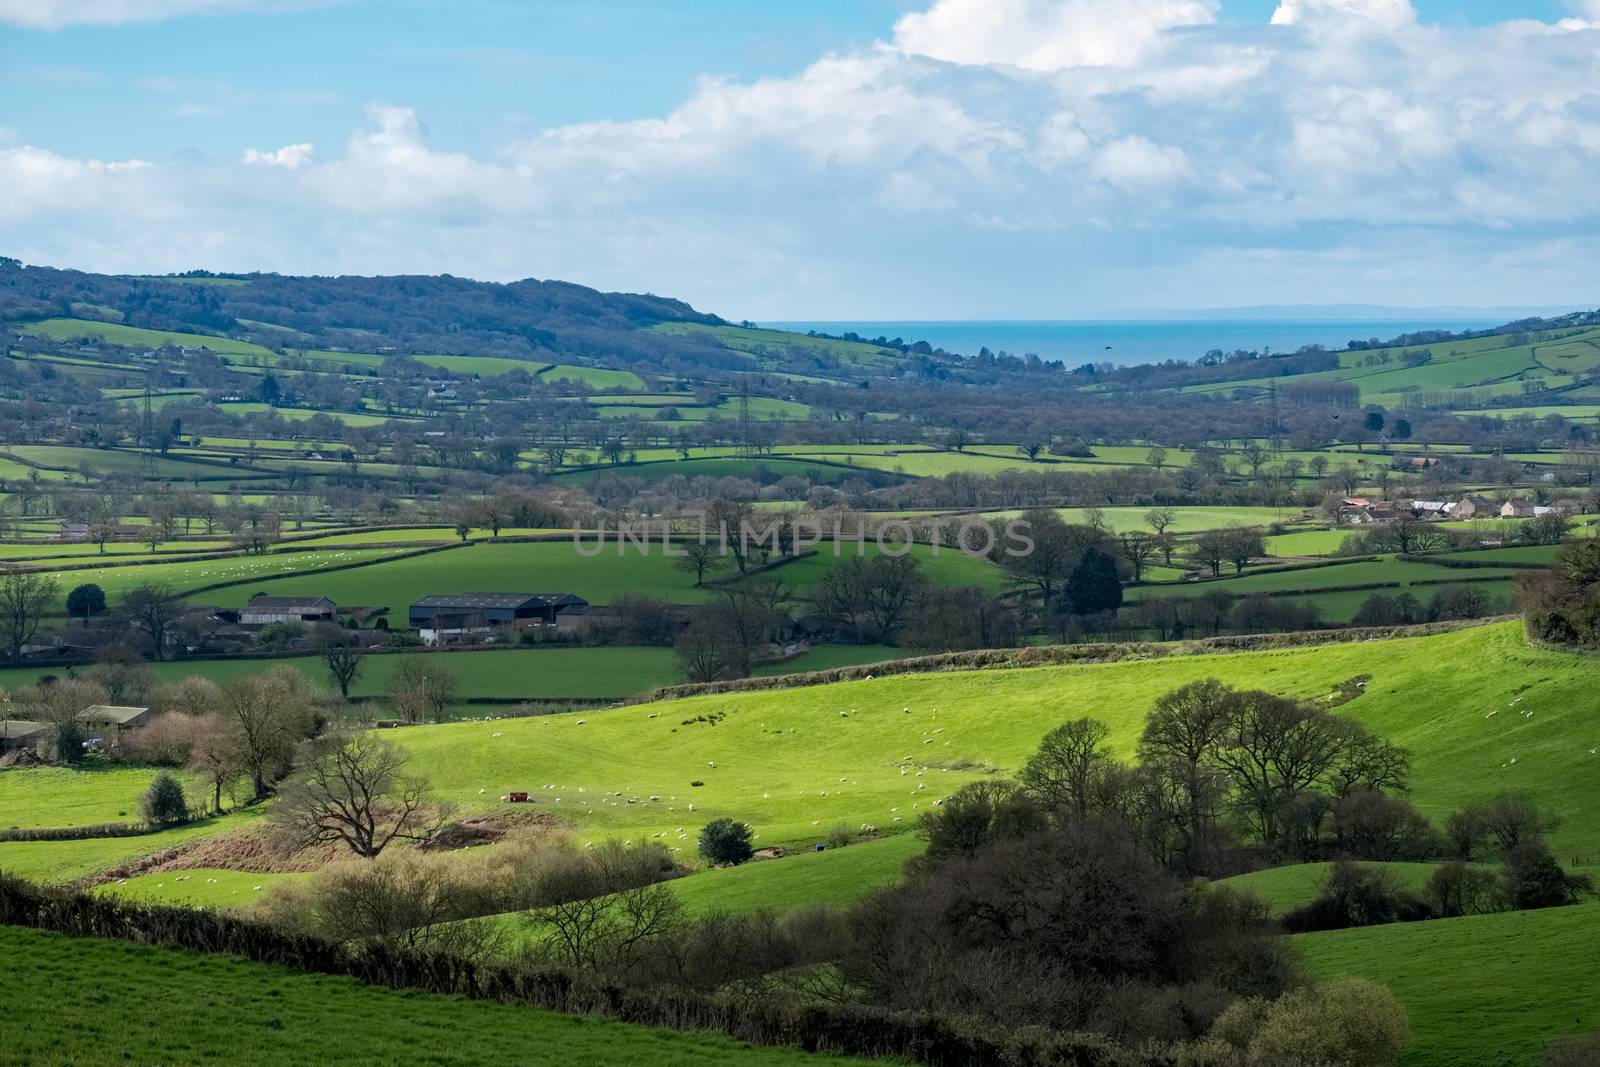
1130, 341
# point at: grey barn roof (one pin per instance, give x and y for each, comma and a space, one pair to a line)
262, 602
16, 729
509, 601
110, 713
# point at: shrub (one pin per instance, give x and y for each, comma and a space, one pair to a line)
1533, 879
978, 815
164, 804
1349, 1021
167, 742
840, 836
1455, 888
1356, 895
724, 841
1375, 826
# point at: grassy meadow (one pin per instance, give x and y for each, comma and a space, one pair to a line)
224, 1009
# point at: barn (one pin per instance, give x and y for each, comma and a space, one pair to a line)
464, 615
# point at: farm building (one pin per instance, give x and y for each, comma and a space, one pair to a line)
19, 733
1475, 507
460, 615
263, 609
106, 721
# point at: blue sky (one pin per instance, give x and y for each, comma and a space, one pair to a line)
873, 158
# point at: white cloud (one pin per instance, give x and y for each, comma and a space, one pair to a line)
1001, 159
290, 156
1386, 14
1046, 34
58, 14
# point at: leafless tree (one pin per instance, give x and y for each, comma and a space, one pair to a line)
26, 597
356, 791
422, 688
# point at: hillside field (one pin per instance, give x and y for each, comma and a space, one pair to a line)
791, 764
224, 1009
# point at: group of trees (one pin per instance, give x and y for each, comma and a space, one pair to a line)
1562, 605
1218, 768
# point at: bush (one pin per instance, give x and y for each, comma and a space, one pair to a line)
724, 841
1349, 1021
1356, 895
978, 815
840, 836
1455, 888
1533, 879
1375, 826
164, 804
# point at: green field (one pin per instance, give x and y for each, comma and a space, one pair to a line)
65, 861
837, 877
538, 566
183, 575
593, 377
137, 1004
55, 796
1307, 543
1483, 989
1186, 519
113, 333
551, 673
1299, 883
487, 366
349, 418
1448, 698
1330, 586
200, 887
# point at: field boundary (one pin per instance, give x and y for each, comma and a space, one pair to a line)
1064, 655
843, 1029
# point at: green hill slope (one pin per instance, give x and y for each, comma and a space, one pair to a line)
222, 1009
1484, 989
1480, 710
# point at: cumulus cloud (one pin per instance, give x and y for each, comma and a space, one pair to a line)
58, 14
1046, 34
1386, 14
993, 158
290, 156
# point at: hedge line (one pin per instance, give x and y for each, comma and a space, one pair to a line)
1063, 655
846, 1029
75, 833
1465, 564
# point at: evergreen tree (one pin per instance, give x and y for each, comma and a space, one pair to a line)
1094, 585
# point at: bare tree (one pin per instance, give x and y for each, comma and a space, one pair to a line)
1139, 549
266, 716
699, 558
26, 597
153, 609
1062, 773
422, 688
344, 664
1158, 519
356, 790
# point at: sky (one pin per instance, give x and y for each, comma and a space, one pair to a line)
837, 159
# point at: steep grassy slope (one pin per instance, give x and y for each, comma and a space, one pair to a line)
1479, 708
1485, 989
222, 1009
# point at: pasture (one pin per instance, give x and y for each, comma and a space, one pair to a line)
1482, 988
555, 672
225, 1009
797, 762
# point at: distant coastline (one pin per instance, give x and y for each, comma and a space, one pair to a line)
1127, 341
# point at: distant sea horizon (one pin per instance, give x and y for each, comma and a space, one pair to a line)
1129, 341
